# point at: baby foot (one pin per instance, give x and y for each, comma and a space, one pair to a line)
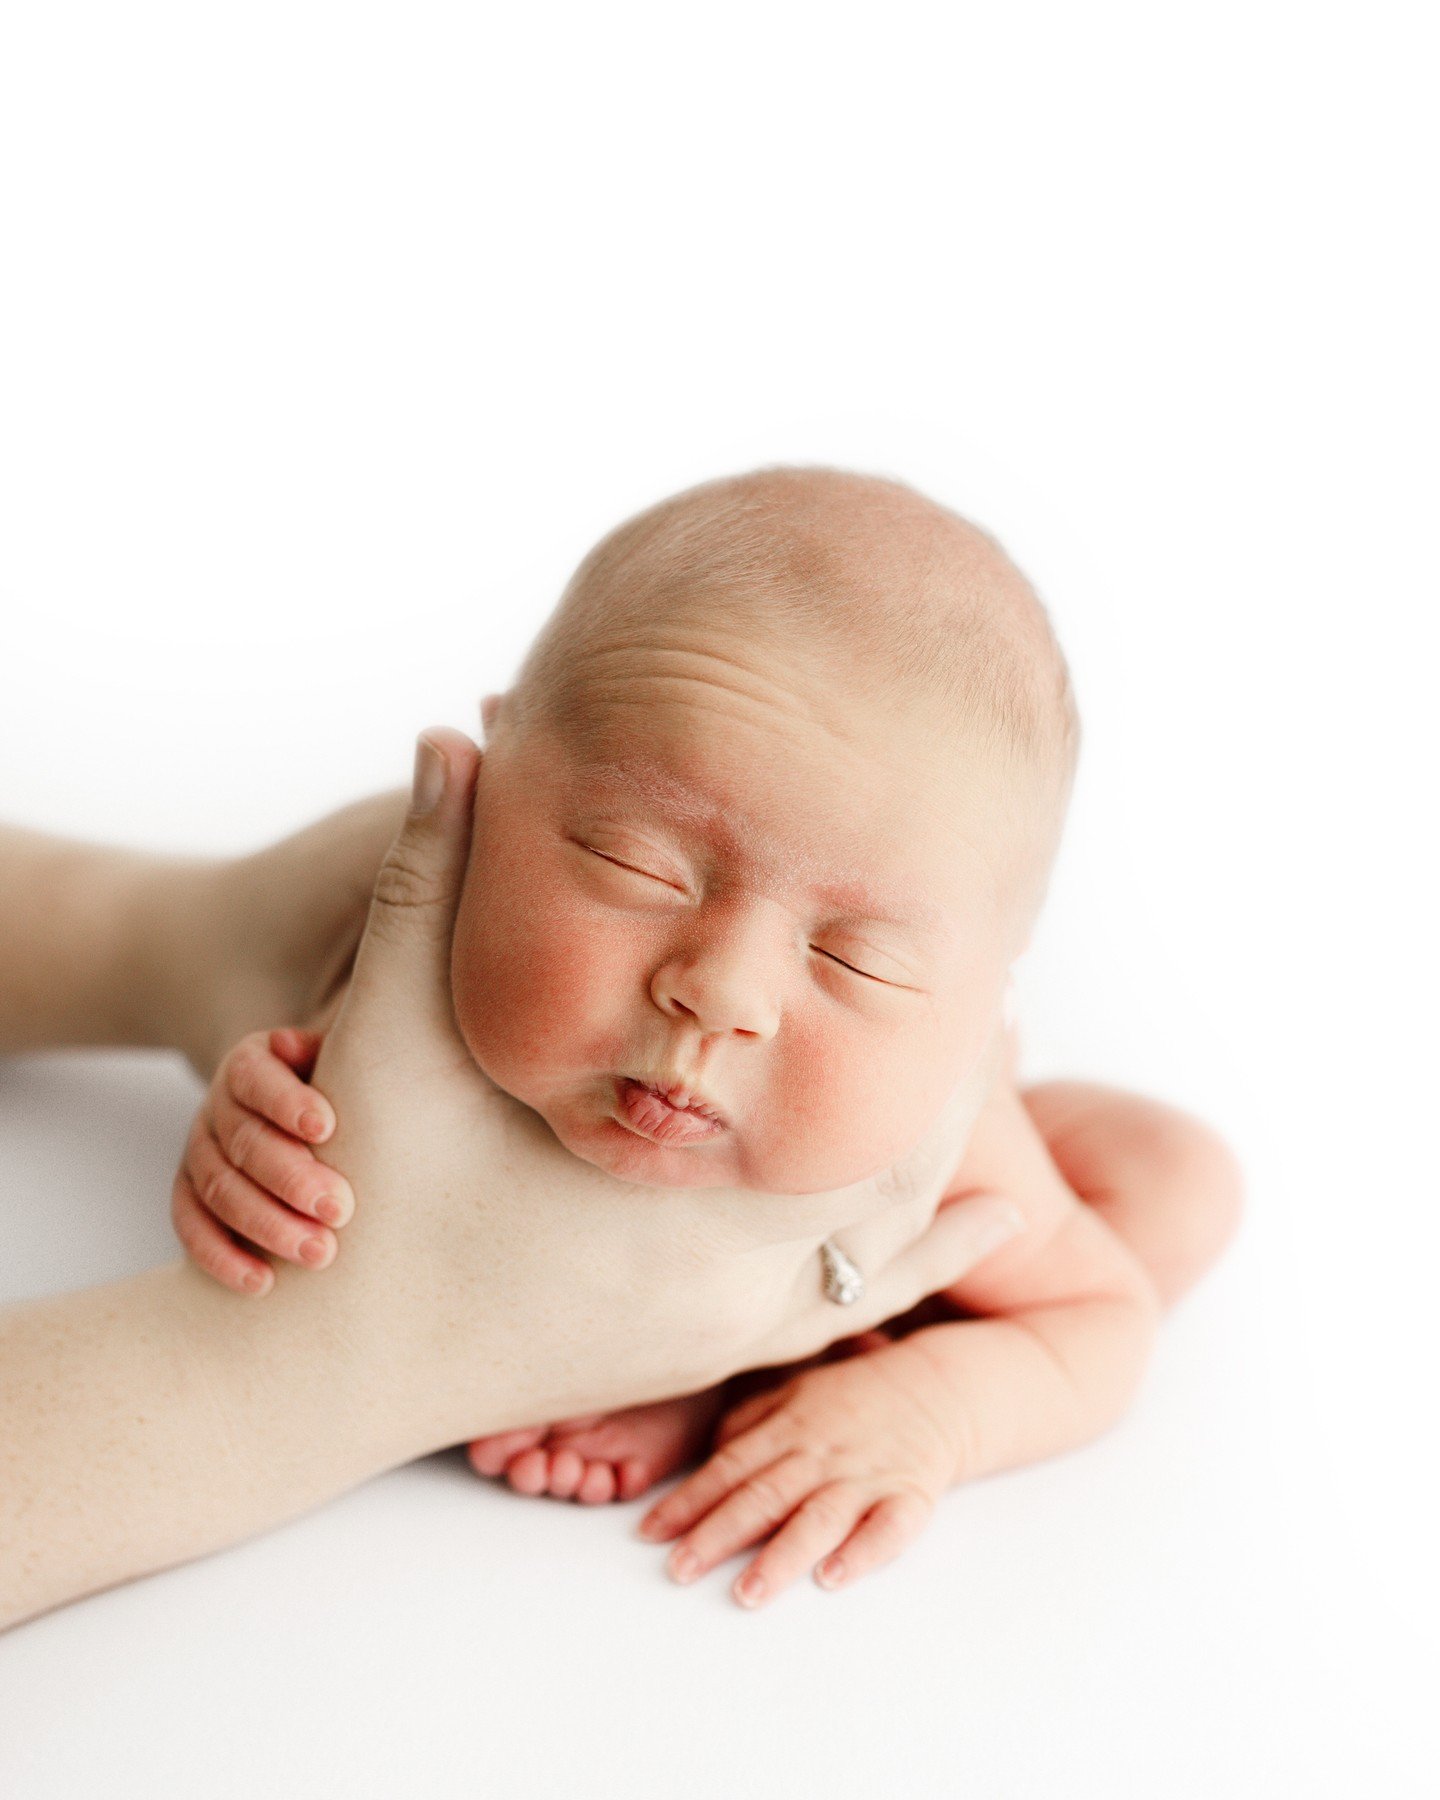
608, 1456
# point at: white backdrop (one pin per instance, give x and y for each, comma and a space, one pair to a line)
329, 338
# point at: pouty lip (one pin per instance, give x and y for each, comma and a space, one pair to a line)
684, 1096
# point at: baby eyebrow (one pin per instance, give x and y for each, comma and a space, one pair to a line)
859, 905
851, 897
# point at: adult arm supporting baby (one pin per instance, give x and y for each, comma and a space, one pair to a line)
94, 948
108, 946
152, 1420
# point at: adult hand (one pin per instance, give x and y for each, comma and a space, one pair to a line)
511, 1281
489, 1279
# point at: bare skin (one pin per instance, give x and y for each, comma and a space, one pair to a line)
742, 900
1044, 1344
157, 1418
1160, 1180
109, 946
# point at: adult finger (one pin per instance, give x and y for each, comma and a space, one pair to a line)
402, 968
959, 1237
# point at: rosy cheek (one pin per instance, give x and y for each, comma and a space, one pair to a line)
850, 1100
820, 1102
535, 983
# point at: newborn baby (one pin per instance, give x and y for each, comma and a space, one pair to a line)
760, 830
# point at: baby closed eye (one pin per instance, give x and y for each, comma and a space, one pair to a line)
854, 968
665, 881
632, 868
865, 974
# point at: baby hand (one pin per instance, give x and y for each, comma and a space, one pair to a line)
248, 1174
843, 1463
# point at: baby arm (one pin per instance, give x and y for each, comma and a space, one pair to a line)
844, 1463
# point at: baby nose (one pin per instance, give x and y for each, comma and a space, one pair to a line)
722, 994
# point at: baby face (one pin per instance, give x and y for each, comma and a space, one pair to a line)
734, 928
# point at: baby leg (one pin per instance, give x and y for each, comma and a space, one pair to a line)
1164, 1182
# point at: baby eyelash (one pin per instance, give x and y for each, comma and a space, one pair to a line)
616, 863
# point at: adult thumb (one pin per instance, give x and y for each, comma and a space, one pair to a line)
406, 946
960, 1236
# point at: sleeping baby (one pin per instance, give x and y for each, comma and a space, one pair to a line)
760, 830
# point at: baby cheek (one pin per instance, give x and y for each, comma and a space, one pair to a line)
854, 1098
834, 1118
527, 984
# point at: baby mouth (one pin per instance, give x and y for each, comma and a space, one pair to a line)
666, 1115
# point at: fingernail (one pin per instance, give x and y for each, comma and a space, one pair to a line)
429, 781
313, 1126
651, 1527
328, 1208
684, 1566
255, 1282
831, 1572
313, 1251
749, 1590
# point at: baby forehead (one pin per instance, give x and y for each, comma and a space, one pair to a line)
638, 783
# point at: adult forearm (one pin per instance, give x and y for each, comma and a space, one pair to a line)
153, 1420
97, 945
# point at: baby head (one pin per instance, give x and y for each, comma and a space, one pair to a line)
759, 831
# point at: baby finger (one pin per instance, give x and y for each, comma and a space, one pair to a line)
882, 1534
750, 1513
211, 1248
732, 1464
821, 1521
255, 1215
300, 1049
276, 1163
258, 1077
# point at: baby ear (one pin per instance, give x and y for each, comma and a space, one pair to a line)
490, 708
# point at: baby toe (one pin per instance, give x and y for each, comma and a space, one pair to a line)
489, 1455
635, 1476
566, 1469
529, 1473
597, 1484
